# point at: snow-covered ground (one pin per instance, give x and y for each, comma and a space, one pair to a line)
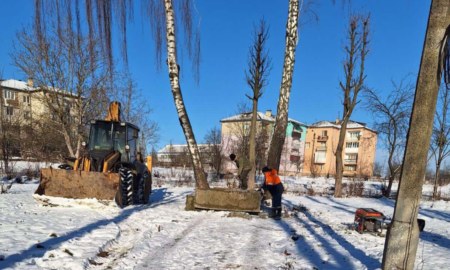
88, 234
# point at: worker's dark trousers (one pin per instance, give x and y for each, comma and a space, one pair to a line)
243, 179
276, 192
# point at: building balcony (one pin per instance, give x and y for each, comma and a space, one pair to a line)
296, 134
320, 161
322, 138
350, 161
352, 139
351, 150
321, 148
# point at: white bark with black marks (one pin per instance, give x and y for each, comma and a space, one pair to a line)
279, 134
173, 66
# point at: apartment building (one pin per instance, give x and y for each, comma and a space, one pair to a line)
29, 102
23, 104
321, 143
236, 135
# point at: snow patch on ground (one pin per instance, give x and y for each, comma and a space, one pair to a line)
91, 234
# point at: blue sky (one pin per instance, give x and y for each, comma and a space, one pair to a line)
397, 39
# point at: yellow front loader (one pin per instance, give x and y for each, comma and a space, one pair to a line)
111, 168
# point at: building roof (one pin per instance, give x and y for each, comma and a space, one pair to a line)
179, 148
247, 117
297, 122
350, 125
260, 117
17, 85
23, 86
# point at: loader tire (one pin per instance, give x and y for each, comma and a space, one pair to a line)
139, 196
126, 184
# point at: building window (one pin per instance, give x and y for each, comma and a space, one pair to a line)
10, 111
53, 116
307, 145
324, 133
26, 114
9, 94
246, 126
26, 99
354, 135
351, 158
350, 168
320, 157
354, 145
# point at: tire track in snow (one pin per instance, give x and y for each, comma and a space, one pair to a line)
164, 251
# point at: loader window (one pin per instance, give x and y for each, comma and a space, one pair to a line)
107, 136
131, 140
119, 139
100, 138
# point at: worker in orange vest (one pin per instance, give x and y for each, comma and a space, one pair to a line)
275, 187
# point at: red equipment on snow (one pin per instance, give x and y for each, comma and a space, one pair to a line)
368, 220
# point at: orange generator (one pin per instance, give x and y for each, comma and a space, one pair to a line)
368, 220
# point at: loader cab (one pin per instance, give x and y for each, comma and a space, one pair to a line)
107, 136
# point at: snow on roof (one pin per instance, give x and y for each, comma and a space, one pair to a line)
297, 122
350, 124
179, 148
260, 117
248, 116
18, 85
23, 86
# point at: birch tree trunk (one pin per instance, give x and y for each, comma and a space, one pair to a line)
252, 156
403, 234
173, 66
279, 133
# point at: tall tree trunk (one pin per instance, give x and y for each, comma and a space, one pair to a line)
279, 134
251, 178
339, 161
199, 173
436, 179
392, 174
389, 188
68, 142
403, 234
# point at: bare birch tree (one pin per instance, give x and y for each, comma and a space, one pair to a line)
356, 50
402, 238
279, 133
174, 76
391, 120
259, 65
440, 138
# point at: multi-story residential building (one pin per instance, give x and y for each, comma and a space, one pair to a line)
24, 99
236, 135
16, 96
321, 143
26, 105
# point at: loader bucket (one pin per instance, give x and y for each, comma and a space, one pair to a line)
78, 184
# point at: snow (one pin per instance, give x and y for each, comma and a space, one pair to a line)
162, 235
297, 122
15, 84
351, 124
180, 148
